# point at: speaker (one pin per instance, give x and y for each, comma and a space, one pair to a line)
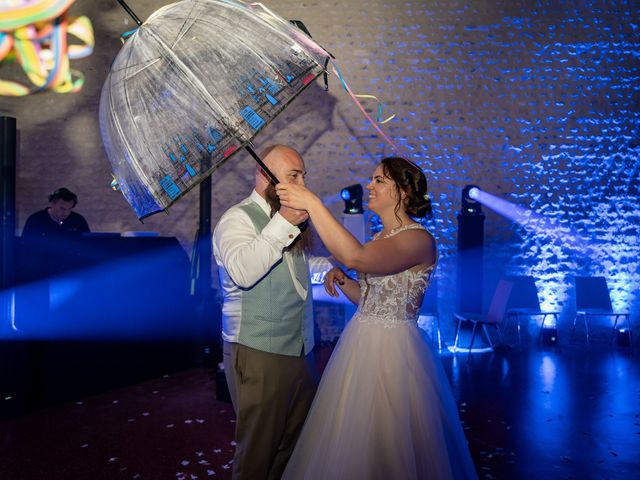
470, 262
8, 136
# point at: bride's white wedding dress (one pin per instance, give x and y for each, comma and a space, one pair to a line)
384, 408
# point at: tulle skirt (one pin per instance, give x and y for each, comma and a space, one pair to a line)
384, 410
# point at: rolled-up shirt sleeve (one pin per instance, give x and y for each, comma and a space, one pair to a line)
246, 255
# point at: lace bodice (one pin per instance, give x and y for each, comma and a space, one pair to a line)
393, 300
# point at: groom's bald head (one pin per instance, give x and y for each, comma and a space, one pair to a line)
284, 162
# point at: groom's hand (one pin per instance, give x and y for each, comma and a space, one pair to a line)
333, 276
293, 216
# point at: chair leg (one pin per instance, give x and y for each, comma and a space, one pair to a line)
500, 335
455, 342
586, 328
439, 334
544, 319
613, 330
486, 334
628, 330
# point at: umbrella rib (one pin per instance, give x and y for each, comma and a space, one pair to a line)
149, 65
142, 65
184, 29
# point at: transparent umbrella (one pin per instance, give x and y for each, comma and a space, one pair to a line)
193, 85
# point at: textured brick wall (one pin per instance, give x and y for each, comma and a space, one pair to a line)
536, 102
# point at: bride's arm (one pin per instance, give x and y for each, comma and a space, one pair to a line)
384, 256
351, 290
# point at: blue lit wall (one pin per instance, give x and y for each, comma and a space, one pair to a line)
537, 104
573, 153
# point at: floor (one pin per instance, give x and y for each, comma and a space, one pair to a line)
553, 413
567, 412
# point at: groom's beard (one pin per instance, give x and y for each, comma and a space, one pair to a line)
304, 241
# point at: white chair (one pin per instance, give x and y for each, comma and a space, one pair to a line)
493, 317
593, 300
524, 302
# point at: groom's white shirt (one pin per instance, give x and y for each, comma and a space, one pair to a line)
247, 257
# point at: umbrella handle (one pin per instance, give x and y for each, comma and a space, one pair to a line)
255, 156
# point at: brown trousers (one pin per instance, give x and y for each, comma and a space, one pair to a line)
271, 396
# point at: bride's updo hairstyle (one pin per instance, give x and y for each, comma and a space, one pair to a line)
410, 179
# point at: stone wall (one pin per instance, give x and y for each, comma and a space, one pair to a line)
536, 102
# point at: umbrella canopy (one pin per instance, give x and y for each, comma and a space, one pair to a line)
193, 85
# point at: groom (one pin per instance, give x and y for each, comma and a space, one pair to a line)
267, 319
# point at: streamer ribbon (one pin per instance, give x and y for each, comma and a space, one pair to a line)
35, 36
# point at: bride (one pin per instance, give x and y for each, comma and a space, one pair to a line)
384, 408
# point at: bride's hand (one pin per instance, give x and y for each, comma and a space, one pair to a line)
333, 276
295, 196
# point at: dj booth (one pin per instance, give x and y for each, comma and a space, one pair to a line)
102, 286
96, 312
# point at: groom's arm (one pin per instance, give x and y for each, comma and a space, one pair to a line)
246, 255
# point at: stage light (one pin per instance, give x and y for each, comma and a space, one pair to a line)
470, 205
352, 196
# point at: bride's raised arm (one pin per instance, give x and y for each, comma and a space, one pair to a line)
383, 256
